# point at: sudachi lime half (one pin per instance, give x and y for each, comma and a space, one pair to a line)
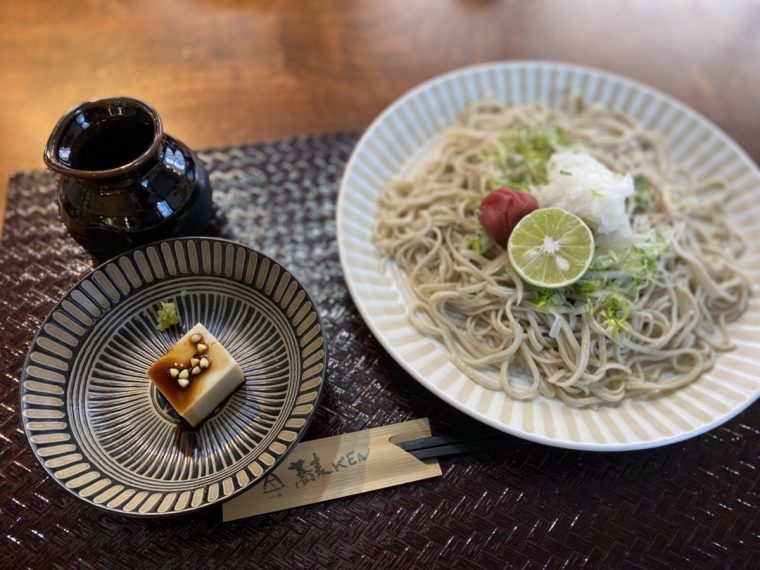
551, 248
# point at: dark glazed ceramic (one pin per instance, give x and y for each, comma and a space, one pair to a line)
123, 181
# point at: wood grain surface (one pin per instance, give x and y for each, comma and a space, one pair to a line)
224, 72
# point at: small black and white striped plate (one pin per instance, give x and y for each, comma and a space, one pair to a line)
101, 429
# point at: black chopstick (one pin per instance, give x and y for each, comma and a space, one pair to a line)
447, 445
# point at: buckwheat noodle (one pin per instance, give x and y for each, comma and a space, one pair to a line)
488, 319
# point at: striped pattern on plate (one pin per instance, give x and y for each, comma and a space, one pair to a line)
98, 424
412, 126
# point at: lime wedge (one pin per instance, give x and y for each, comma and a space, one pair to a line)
551, 248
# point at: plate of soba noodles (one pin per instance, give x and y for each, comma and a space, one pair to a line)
562, 253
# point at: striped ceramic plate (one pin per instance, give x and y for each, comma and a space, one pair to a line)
101, 429
412, 126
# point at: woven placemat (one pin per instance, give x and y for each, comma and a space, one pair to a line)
693, 504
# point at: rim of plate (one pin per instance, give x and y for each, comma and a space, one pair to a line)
503, 66
206, 503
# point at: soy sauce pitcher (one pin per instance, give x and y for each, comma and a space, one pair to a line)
123, 181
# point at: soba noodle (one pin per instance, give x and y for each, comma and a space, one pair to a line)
644, 320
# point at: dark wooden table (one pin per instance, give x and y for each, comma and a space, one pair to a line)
231, 71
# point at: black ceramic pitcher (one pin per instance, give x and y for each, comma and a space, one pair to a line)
123, 181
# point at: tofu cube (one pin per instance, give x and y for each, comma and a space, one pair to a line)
196, 375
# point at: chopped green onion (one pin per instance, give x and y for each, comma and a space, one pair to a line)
614, 311
642, 198
610, 286
523, 156
474, 244
545, 299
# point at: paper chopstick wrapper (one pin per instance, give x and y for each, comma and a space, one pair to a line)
334, 467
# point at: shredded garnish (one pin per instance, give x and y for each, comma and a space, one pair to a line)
556, 326
523, 155
546, 299
611, 285
614, 309
474, 244
642, 200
